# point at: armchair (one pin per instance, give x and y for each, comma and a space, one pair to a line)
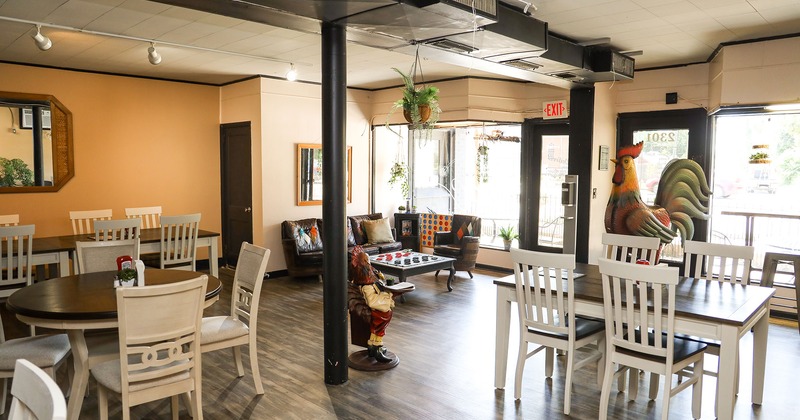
461, 243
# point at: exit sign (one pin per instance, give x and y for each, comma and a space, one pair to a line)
554, 109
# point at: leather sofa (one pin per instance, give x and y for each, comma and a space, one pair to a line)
302, 243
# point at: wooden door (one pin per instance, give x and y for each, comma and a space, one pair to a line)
237, 194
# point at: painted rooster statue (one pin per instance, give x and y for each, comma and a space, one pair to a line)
682, 194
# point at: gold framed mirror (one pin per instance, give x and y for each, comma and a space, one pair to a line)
309, 174
36, 153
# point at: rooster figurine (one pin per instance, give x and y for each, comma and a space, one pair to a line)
682, 194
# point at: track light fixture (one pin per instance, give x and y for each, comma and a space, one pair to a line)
152, 55
291, 75
44, 43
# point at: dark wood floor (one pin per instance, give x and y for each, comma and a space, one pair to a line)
445, 342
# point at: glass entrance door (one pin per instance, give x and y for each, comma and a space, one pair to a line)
554, 167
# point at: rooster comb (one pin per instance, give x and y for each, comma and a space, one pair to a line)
632, 151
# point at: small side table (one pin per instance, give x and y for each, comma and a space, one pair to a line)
407, 227
771, 260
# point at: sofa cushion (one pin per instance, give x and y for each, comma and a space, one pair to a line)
359, 235
310, 258
378, 231
390, 247
447, 250
351, 239
306, 234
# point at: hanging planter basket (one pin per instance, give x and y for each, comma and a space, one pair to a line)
424, 114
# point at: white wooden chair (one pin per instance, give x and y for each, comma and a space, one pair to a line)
94, 256
83, 221
157, 359
642, 337
630, 248
179, 241
547, 316
240, 328
107, 230
9, 220
16, 271
720, 262
151, 216
47, 352
35, 395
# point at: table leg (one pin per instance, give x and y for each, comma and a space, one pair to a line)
760, 333
63, 264
450, 279
213, 258
726, 380
80, 379
502, 325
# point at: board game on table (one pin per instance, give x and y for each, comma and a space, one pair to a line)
404, 264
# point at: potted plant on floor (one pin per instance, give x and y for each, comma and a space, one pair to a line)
420, 104
508, 235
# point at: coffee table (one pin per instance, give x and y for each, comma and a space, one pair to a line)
405, 264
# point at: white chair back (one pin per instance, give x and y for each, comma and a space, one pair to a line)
9, 219
35, 394
720, 262
542, 301
94, 256
179, 241
109, 230
83, 221
627, 290
630, 248
247, 281
16, 248
151, 216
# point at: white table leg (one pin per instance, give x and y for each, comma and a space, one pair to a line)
726, 380
502, 324
80, 379
760, 333
213, 257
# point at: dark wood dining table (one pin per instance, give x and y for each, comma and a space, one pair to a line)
709, 309
59, 249
86, 302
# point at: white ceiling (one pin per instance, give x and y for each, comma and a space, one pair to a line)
669, 32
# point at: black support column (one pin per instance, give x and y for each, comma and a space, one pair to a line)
334, 155
581, 134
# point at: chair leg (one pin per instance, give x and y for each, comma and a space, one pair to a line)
633, 383
187, 401
667, 391
173, 404
197, 408
654, 381
601, 363
3, 397
568, 385
697, 390
549, 358
436, 274
605, 392
237, 357
470, 273
521, 356
254, 370
102, 402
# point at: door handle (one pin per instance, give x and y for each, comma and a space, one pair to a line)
248, 209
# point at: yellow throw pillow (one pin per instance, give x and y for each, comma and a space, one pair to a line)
378, 231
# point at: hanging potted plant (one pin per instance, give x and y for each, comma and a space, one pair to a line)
399, 176
420, 104
508, 235
760, 156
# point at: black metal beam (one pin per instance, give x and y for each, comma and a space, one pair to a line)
334, 200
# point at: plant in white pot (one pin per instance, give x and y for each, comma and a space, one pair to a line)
508, 235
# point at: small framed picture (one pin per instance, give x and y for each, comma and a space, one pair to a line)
602, 164
26, 118
406, 227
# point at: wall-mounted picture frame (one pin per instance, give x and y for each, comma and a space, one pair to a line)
602, 163
26, 118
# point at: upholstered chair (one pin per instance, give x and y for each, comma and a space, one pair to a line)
461, 243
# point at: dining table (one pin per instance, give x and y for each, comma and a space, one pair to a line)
83, 302
708, 309
60, 249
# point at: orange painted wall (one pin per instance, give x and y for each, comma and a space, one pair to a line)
137, 142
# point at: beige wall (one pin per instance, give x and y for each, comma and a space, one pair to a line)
137, 142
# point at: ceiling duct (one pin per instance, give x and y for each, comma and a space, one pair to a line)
612, 64
515, 36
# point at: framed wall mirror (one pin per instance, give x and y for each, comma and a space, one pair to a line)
36, 152
309, 174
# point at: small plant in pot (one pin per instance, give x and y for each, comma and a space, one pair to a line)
508, 235
126, 277
420, 105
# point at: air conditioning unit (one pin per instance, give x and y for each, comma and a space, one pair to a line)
614, 64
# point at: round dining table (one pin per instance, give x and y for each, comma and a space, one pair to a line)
86, 302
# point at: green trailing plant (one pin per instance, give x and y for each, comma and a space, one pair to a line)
482, 163
15, 173
399, 176
414, 98
507, 233
759, 156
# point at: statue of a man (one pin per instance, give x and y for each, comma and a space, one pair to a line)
370, 281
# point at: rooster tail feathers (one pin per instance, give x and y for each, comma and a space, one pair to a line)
684, 192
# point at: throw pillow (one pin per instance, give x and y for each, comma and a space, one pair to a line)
306, 236
351, 238
378, 231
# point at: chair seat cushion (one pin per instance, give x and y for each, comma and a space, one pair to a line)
221, 328
682, 349
42, 350
108, 375
584, 327
309, 258
452, 251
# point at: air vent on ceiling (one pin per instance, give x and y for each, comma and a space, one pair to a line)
488, 7
450, 45
565, 75
522, 64
606, 60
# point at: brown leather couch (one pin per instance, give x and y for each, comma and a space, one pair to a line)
302, 243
